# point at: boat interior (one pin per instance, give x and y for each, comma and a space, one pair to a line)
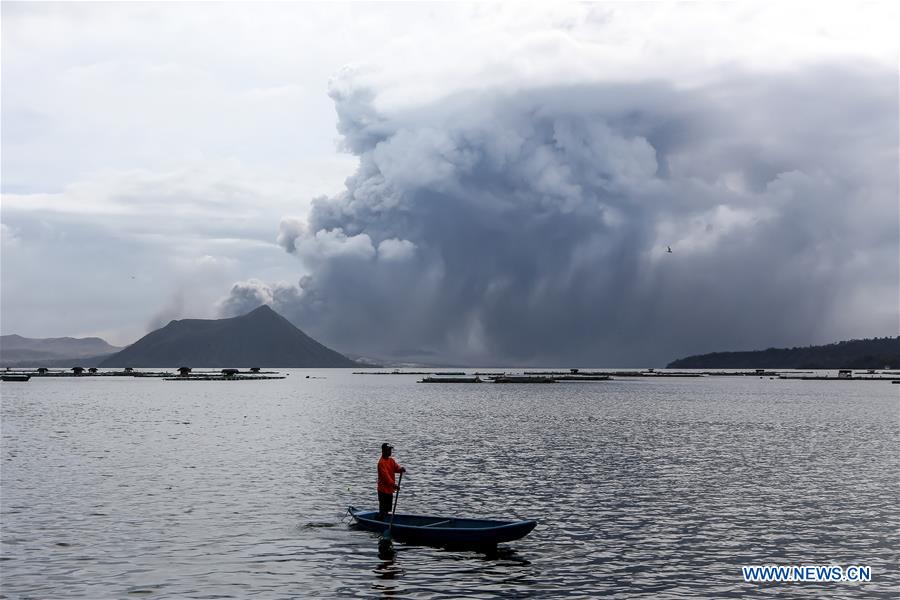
432, 521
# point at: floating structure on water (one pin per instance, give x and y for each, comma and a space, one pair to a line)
523, 379
507, 378
89, 372
451, 380
396, 372
15, 377
182, 373
655, 373
187, 374
224, 378
843, 375
578, 374
149, 374
745, 373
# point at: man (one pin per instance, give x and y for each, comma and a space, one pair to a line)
387, 466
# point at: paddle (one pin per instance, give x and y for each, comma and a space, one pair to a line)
387, 534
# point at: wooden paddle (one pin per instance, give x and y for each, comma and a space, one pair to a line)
387, 534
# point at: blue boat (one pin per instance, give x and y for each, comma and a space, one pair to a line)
444, 531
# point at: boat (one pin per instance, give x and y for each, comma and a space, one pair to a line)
429, 530
15, 377
450, 380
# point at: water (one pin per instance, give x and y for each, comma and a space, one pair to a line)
121, 488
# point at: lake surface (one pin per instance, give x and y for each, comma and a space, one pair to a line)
142, 488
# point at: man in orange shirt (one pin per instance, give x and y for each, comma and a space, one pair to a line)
387, 466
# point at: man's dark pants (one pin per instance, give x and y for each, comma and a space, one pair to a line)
385, 504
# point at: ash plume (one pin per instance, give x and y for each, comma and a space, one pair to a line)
531, 226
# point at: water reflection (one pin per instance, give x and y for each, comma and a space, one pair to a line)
386, 549
505, 554
388, 570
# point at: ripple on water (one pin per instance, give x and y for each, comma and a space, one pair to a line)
655, 488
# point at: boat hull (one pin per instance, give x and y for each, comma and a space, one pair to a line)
430, 530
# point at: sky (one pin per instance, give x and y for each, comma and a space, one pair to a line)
493, 184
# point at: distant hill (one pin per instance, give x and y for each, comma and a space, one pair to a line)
876, 353
16, 350
260, 338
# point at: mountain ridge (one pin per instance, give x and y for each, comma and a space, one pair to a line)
875, 353
260, 338
16, 350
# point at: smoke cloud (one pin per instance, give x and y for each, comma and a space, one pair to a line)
532, 226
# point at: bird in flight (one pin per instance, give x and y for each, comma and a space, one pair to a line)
669, 249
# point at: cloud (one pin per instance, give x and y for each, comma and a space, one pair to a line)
131, 250
248, 295
533, 223
394, 249
333, 244
9, 237
136, 138
173, 310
